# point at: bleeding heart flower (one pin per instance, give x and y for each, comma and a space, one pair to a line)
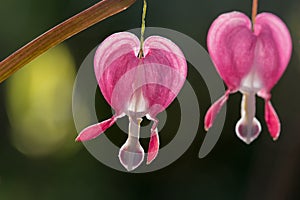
137, 81
250, 60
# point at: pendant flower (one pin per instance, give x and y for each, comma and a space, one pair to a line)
137, 79
250, 58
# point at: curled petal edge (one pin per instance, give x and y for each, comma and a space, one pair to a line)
95, 130
153, 147
213, 111
271, 117
272, 120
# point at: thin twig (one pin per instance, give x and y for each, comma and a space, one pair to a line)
60, 33
254, 12
141, 53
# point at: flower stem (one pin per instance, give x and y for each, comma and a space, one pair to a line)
60, 33
254, 12
141, 53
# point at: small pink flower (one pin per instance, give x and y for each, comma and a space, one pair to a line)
137, 83
249, 61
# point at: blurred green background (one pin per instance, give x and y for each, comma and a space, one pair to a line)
40, 160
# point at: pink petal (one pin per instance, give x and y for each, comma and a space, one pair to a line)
154, 140
166, 71
212, 112
274, 47
161, 73
172, 55
114, 57
272, 120
231, 44
153, 146
95, 130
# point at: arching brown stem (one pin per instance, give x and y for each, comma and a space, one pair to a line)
60, 33
254, 12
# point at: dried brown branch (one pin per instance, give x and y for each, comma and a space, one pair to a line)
60, 33
254, 12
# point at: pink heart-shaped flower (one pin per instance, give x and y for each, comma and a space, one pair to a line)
251, 61
137, 85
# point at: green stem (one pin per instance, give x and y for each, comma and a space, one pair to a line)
141, 53
60, 33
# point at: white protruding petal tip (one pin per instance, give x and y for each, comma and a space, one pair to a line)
131, 154
248, 132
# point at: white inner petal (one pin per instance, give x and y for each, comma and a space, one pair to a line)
137, 103
131, 154
248, 127
252, 82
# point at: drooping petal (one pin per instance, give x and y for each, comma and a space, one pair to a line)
274, 48
95, 130
153, 147
272, 120
231, 44
212, 112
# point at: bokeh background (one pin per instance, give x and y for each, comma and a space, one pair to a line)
40, 160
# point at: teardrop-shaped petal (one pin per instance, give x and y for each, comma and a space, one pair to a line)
272, 120
246, 131
231, 44
153, 146
95, 130
274, 48
131, 154
212, 112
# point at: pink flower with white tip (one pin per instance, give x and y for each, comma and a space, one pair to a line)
250, 58
137, 82
137, 78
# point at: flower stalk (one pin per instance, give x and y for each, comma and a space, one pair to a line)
60, 33
254, 12
141, 53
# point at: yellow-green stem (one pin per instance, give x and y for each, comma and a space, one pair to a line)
141, 53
